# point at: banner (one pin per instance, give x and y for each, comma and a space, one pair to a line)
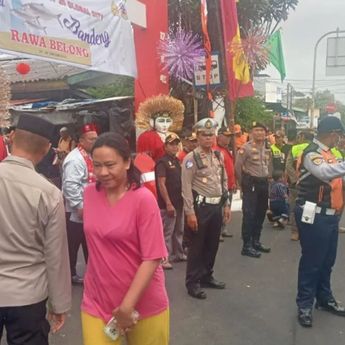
239, 82
151, 81
95, 35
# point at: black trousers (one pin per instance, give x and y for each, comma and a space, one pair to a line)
254, 207
204, 244
76, 237
25, 325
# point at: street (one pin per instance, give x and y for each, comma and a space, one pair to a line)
257, 307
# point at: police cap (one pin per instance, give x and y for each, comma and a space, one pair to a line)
187, 134
256, 124
172, 137
225, 131
206, 125
330, 124
36, 125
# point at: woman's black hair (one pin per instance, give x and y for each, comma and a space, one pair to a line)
118, 143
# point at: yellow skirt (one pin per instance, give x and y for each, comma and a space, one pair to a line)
153, 330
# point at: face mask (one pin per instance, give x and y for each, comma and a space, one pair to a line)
162, 124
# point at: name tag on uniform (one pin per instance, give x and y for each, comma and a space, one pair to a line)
309, 211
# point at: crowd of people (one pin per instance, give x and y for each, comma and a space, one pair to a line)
129, 233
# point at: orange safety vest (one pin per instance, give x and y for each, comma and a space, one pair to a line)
336, 185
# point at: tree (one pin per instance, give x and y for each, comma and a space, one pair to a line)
252, 109
123, 86
264, 14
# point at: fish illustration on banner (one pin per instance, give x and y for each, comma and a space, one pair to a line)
95, 35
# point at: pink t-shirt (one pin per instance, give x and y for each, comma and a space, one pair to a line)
119, 239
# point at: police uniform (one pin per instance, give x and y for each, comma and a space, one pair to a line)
253, 168
320, 183
204, 182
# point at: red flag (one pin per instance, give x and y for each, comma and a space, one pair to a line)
239, 82
207, 47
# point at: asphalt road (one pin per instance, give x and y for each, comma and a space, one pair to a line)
257, 307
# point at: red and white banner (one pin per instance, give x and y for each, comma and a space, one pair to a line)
95, 35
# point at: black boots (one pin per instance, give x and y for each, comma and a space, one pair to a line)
248, 250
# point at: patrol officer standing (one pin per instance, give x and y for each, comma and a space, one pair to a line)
204, 190
253, 168
318, 206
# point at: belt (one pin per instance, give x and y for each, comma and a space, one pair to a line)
206, 200
326, 211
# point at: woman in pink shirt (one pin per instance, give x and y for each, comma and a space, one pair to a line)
125, 239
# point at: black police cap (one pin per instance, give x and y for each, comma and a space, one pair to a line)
36, 125
330, 124
256, 124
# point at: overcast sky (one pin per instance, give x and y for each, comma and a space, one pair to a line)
305, 26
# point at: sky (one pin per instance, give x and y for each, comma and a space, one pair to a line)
304, 27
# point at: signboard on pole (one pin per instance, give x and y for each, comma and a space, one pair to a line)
200, 72
335, 63
95, 35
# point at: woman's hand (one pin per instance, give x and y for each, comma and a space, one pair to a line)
124, 319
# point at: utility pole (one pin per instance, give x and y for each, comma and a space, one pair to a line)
314, 73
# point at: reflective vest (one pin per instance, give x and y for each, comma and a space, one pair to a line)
310, 188
337, 154
297, 150
278, 158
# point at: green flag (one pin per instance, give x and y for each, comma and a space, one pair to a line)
275, 53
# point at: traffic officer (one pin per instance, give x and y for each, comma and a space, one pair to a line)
318, 206
205, 192
278, 157
253, 168
303, 140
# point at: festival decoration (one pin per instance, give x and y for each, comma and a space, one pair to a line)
180, 52
5, 96
252, 50
23, 68
159, 106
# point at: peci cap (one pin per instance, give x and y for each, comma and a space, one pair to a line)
330, 124
206, 125
172, 137
225, 131
256, 124
36, 125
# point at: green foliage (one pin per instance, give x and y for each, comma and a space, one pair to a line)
123, 86
251, 109
265, 14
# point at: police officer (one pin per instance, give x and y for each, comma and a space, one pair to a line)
253, 168
320, 195
204, 190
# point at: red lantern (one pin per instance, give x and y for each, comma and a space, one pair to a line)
23, 68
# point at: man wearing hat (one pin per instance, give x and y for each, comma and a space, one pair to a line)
189, 143
168, 179
318, 206
77, 173
253, 168
66, 144
278, 157
239, 137
34, 253
205, 192
223, 142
